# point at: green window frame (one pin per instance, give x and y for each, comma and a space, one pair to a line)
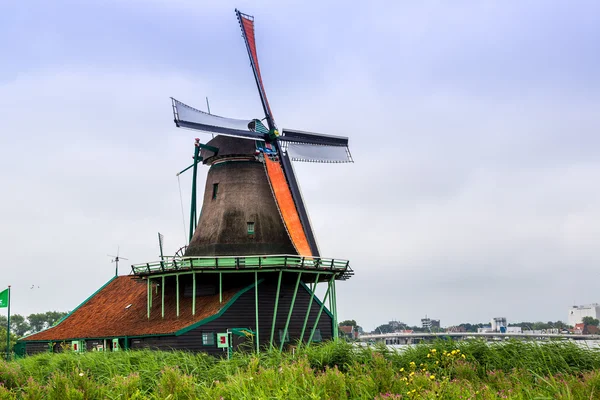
317, 336
208, 338
287, 336
250, 227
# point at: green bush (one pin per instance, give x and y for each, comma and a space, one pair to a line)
340, 370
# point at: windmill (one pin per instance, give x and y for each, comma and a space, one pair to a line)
116, 259
276, 148
250, 271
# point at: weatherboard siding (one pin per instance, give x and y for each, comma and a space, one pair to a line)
242, 315
36, 347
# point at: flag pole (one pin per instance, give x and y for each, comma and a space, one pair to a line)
8, 329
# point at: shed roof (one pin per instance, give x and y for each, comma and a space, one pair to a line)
119, 309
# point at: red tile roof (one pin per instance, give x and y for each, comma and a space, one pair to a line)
105, 315
346, 329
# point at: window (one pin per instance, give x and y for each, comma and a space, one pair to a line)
287, 336
208, 338
215, 190
250, 228
317, 336
78, 346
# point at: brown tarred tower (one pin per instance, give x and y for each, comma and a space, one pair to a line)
239, 215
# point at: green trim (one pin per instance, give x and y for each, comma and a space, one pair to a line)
334, 321
242, 331
258, 262
312, 333
287, 322
319, 302
275, 308
194, 294
256, 311
193, 219
210, 148
69, 314
162, 287
245, 270
177, 281
181, 172
310, 303
217, 315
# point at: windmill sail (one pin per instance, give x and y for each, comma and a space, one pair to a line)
247, 25
315, 147
284, 189
323, 154
189, 117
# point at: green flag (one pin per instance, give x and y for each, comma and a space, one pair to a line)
4, 298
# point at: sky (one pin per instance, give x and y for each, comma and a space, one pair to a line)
473, 126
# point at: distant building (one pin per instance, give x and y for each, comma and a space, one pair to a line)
585, 329
499, 324
576, 313
349, 332
428, 323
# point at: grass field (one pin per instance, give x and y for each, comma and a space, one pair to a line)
446, 370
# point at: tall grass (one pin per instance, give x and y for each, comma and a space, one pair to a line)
476, 370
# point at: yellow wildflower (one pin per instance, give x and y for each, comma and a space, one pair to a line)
428, 355
463, 356
437, 362
433, 350
432, 377
412, 373
402, 369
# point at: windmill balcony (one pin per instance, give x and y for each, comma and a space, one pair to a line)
265, 263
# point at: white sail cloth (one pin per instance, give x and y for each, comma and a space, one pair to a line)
318, 153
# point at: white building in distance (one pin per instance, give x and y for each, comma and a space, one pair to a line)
576, 313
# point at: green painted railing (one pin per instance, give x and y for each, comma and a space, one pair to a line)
245, 262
